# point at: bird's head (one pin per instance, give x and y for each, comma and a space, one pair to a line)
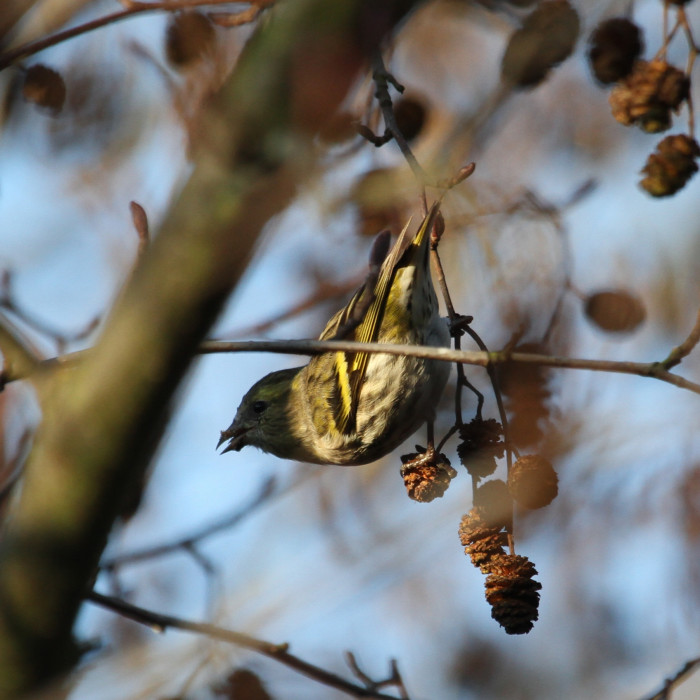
264, 418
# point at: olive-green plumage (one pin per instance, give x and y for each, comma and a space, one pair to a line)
353, 408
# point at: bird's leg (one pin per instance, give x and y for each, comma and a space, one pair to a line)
458, 324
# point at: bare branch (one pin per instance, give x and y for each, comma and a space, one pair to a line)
236, 19
132, 10
10, 303
675, 680
324, 292
278, 652
655, 370
187, 543
483, 359
685, 348
382, 79
393, 679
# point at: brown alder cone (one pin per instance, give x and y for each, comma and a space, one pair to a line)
547, 37
482, 543
670, 167
480, 446
533, 482
512, 594
411, 115
615, 45
495, 504
649, 94
426, 475
615, 310
44, 87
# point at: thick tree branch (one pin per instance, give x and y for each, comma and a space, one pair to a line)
12, 12
19, 357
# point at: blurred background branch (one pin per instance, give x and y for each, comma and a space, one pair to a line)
278, 652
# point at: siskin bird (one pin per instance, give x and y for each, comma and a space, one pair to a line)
353, 408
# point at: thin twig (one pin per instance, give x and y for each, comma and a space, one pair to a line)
491, 371
692, 56
325, 292
236, 19
482, 359
675, 680
668, 37
394, 679
655, 370
10, 303
442, 283
132, 9
188, 543
685, 348
382, 78
278, 652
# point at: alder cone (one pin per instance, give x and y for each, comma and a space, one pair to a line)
532, 482
494, 504
615, 310
44, 87
411, 115
615, 45
426, 476
513, 594
648, 95
547, 37
670, 167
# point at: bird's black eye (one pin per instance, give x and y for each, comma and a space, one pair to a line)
259, 406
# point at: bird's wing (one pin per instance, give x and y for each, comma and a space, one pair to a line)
361, 320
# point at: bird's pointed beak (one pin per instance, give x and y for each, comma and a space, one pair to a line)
236, 435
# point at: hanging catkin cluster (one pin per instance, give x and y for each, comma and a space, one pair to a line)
647, 94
